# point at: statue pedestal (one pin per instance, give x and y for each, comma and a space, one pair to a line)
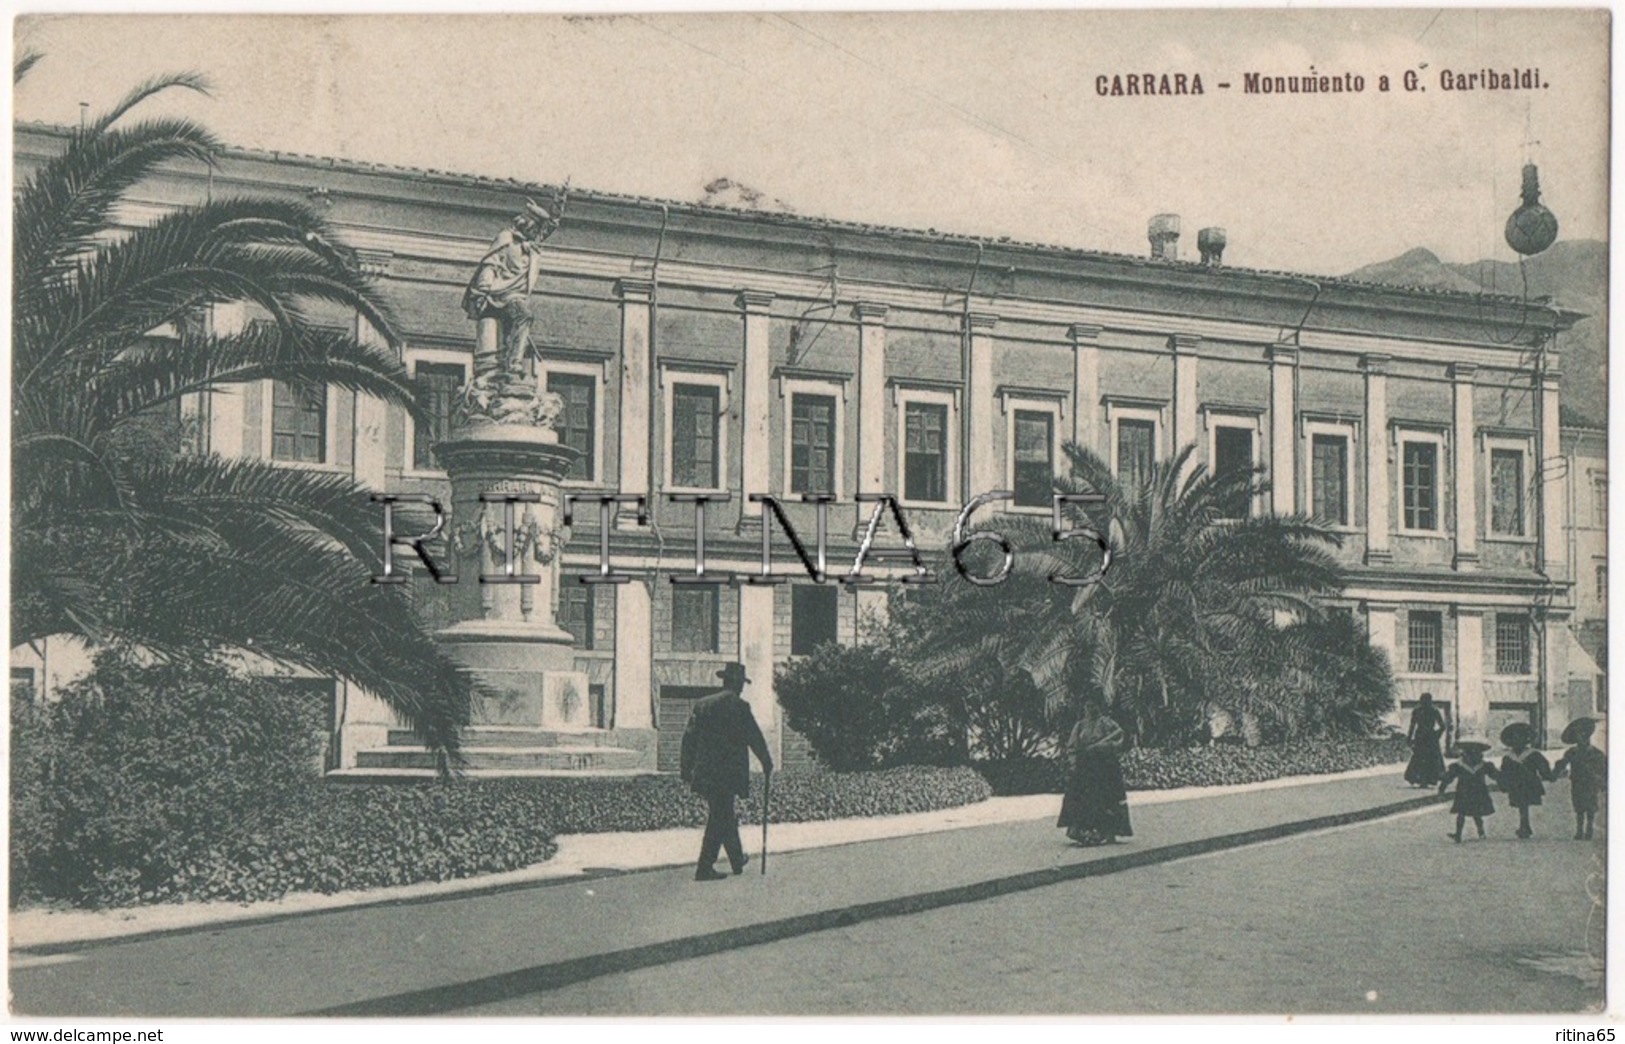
506, 635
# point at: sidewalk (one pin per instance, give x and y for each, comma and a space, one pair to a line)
594, 854
442, 951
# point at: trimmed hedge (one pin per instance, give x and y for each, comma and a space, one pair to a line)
322, 837
1221, 764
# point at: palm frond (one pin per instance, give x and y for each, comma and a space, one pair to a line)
26, 61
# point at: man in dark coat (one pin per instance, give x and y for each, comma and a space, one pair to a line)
721, 735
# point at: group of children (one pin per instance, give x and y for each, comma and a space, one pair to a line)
1521, 775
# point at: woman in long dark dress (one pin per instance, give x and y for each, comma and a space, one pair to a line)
1426, 767
1094, 809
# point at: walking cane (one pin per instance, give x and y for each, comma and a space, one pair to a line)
767, 786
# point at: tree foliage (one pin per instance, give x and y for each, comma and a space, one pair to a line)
120, 538
1187, 624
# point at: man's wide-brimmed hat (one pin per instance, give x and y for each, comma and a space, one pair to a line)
1577, 728
733, 673
1518, 734
1473, 743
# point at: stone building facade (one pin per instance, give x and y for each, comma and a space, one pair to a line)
716, 351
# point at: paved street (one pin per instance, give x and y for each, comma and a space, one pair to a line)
1292, 925
1380, 918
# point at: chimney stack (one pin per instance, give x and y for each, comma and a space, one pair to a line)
1210, 241
1164, 235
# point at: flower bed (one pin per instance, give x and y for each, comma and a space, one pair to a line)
1218, 765
328, 838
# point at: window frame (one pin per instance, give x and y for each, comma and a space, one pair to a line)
545, 368
789, 388
1442, 668
1054, 407
1402, 438
1501, 444
1119, 411
1349, 432
1524, 629
588, 641
1599, 497
670, 377
330, 433
433, 356
1249, 421
692, 590
800, 591
902, 398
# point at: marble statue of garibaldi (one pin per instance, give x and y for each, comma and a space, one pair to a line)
501, 286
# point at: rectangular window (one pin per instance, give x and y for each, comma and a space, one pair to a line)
577, 425
1602, 583
695, 412
575, 611
1425, 643
814, 610
1506, 492
298, 422
694, 618
1034, 476
925, 452
812, 444
1329, 478
1420, 482
22, 686
1233, 454
1136, 452
1599, 499
1601, 690
437, 385
1511, 644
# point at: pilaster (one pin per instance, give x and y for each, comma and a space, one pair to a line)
368, 454
1377, 487
634, 655
1382, 626
1283, 469
1184, 347
1086, 387
225, 404
636, 390
1472, 703
981, 449
1554, 513
756, 653
757, 443
1464, 465
871, 319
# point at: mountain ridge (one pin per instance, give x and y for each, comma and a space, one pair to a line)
1571, 274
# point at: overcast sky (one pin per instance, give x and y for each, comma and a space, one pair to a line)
979, 123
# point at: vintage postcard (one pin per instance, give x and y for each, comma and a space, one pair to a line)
784, 513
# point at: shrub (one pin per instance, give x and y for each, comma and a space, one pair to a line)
132, 759
1218, 765
859, 709
328, 837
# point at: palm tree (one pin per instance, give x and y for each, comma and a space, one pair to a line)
185, 555
1191, 595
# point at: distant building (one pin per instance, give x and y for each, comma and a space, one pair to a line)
703, 349
1585, 455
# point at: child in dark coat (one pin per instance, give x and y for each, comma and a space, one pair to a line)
1522, 772
1471, 775
1587, 768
